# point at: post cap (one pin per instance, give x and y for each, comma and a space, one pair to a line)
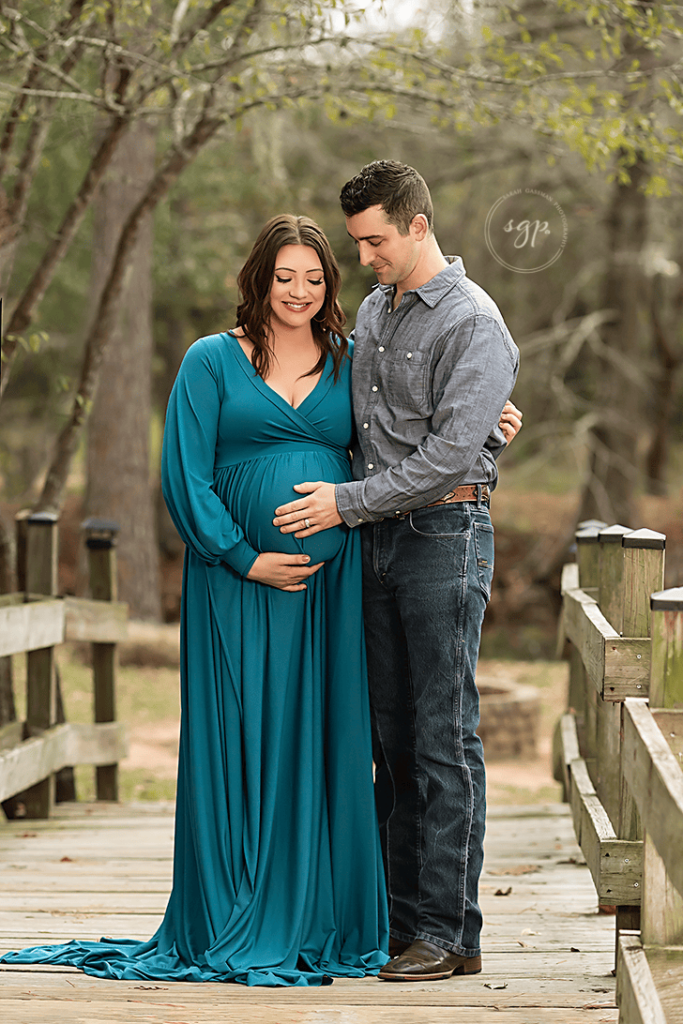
645, 539
613, 534
100, 533
589, 535
589, 524
667, 600
43, 518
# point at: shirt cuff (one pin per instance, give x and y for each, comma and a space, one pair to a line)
241, 557
349, 498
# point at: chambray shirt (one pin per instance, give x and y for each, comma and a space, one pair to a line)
430, 379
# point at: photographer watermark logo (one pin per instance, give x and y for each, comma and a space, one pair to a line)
526, 230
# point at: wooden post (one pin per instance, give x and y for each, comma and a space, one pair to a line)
662, 911
611, 575
41, 696
608, 714
643, 573
588, 556
100, 539
666, 668
588, 559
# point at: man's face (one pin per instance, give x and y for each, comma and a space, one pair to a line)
391, 255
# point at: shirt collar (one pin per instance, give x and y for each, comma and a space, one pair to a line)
432, 291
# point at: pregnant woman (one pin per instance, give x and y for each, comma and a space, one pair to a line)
277, 871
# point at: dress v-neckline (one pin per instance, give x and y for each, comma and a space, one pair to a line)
264, 383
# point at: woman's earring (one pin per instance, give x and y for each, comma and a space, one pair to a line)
324, 318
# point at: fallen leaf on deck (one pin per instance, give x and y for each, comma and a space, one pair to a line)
518, 869
495, 984
503, 892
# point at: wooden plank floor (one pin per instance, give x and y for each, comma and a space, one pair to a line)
106, 870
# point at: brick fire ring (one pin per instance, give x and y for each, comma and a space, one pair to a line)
510, 715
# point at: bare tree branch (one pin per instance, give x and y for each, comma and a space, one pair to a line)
37, 286
17, 108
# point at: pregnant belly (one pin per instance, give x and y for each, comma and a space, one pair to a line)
253, 490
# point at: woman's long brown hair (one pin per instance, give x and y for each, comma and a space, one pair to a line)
255, 281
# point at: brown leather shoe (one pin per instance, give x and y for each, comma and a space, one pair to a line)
397, 946
424, 961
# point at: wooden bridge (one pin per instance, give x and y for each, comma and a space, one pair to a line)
550, 905
101, 869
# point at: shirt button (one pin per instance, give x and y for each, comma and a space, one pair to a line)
375, 388
365, 426
381, 348
371, 465
360, 519
409, 355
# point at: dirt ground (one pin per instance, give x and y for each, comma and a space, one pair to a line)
154, 742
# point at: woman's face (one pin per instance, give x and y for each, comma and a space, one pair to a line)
298, 289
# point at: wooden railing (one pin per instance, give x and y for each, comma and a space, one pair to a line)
34, 621
618, 753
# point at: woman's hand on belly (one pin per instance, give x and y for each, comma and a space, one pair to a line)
285, 572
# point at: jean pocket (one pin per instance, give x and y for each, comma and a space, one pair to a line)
484, 552
441, 522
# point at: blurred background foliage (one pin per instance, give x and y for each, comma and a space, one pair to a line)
579, 101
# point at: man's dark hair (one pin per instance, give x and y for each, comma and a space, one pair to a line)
398, 189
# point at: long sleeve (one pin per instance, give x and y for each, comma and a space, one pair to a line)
187, 465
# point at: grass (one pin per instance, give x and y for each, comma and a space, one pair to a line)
148, 701
145, 697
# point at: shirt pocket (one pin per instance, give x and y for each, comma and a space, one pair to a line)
407, 379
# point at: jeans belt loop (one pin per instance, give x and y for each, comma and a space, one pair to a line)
479, 506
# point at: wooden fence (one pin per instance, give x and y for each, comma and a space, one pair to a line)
619, 752
33, 621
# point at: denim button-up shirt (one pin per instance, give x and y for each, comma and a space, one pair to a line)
430, 379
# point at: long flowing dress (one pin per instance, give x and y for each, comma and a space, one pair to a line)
277, 875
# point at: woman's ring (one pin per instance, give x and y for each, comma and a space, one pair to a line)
307, 523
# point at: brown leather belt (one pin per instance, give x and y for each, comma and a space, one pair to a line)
468, 492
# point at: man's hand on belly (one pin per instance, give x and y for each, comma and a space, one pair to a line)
319, 508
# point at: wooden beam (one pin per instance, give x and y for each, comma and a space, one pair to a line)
618, 666
35, 759
95, 621
615, 864
654, 776
636, 991
31, 627
570, 577
671, 727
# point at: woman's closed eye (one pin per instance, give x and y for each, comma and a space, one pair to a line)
286, 280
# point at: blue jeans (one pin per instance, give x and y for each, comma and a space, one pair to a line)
426, 581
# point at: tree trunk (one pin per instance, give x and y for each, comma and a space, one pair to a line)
669, 358
119, 485
613, 461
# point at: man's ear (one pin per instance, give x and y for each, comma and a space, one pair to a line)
419, 227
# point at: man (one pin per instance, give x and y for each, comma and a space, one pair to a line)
433, 367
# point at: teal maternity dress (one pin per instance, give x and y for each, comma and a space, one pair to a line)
277, 874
